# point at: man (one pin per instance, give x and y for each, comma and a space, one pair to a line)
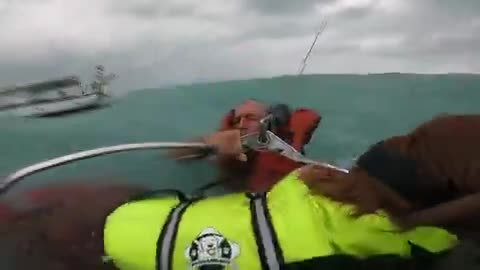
258, 171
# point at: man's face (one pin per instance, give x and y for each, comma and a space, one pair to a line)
248, 115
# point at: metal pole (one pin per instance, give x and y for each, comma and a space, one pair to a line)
304, 61
15, 177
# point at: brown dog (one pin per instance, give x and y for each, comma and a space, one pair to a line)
430, 176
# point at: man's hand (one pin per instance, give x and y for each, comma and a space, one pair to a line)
227, 143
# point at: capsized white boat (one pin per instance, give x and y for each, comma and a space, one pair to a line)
56, 107
38, 103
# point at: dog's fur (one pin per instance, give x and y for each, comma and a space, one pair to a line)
441, 170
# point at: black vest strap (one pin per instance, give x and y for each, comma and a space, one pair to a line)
269, 250
158, 193
166, 240
168, 235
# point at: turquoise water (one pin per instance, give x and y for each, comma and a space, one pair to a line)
356, 110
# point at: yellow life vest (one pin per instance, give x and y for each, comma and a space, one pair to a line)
253, 231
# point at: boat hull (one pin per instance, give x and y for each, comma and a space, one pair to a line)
58, 107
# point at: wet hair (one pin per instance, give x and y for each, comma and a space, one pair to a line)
254, 100
264, 104
391, 168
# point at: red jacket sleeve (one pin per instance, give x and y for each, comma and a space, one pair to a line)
303, 123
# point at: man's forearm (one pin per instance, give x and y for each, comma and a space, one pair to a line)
189, 153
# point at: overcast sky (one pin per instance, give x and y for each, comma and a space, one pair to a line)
152, 43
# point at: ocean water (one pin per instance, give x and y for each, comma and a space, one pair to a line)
357, 111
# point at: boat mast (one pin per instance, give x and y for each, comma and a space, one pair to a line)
101, 81
305, 59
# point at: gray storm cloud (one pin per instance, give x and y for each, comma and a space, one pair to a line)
156, 43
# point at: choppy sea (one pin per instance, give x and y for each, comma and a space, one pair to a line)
357, 110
